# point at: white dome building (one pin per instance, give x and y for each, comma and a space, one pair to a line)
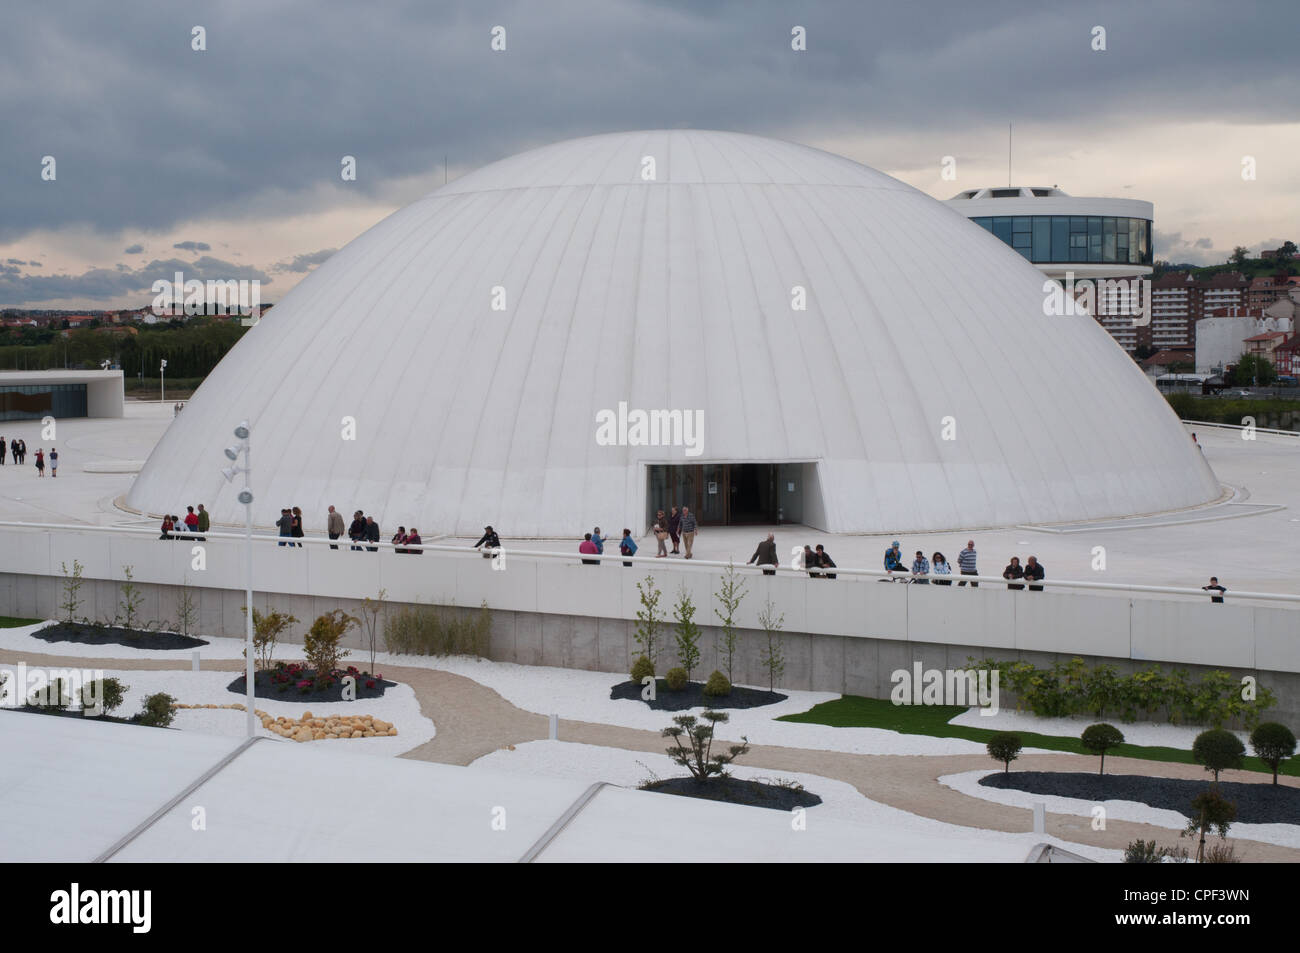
479, 336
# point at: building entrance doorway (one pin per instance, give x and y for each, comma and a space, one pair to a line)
723, 494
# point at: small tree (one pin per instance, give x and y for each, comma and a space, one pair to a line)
1004, 747
772, 655
185, 609
1218, 749
157, 711
321, 643
1209, 812
728, 596
371, 611
109, 692
1101, 738
267, 630
131, 600
699, 758
72, 583
648, 618
688, 633
1273, 743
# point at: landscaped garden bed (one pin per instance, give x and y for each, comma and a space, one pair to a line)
1256, 803
779, 797
296, 682
84, 633
692, 696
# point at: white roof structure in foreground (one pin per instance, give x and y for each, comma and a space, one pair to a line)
78, 791
676, 293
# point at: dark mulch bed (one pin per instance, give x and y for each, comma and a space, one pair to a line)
1256, 803
115, 635
735, 791
692, 696
65, 713
263, 687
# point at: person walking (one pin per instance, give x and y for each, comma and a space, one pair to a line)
413, 542
3, 447
1214, 587
40, 462
490, 542
372, 534
598, 540
205, 522
824, 561
295, 528
966, 563
688, 527
1013, 571
939, 566
660, 530
1034, 571
765, 556
357, 531
13, 448
54, 462
675, 528
920, 568
588, 548
627, 547
285, 523
334, 525
22, 451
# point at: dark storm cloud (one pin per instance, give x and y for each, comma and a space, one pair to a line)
193, 246
149, 134
132, 249
106, 284
305, 262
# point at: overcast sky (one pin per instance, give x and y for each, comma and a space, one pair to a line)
225, 163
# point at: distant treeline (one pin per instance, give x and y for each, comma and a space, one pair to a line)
191, 348
1269, 413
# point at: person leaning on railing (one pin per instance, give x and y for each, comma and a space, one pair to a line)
490, 540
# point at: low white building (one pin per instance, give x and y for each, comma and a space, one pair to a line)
31, 395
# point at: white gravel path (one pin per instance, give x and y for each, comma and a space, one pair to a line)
840, 801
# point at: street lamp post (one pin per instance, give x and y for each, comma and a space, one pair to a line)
162, 382
246, 497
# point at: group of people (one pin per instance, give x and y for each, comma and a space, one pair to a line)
593, 544
194, 523
18, 450
924, 571
678, 525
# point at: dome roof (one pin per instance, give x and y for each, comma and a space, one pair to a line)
675, 292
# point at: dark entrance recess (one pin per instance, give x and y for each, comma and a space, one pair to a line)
728, 494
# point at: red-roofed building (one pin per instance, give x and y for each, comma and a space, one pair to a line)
1263, 345
1286, 357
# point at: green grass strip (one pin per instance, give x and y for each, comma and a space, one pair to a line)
855, 711
10, 622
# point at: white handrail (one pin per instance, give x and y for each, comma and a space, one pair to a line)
1266, 430
900, 575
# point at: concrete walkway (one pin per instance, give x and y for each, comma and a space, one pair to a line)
473, 720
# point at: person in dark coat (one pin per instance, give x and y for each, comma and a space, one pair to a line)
413, 542
825, 562
765, 555
674, 529
1034, 571
372, 534
490, 542
285, 523
296, 527
1013, 571
357, 531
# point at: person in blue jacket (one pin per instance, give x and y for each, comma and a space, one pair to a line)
627, 547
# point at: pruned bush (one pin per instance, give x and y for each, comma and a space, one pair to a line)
1005, 747
699, 758
107, 694
158, 710
1100, 738
642, 668
675, 679
438, 630
1273, 743
717, 686
57, 693
1149, 852
1209, 812
1218, 749
321, 643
